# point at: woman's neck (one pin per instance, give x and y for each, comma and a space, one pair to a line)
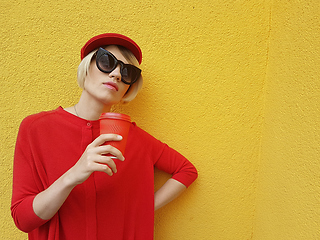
90, 109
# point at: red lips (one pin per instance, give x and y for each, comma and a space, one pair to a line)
111, 85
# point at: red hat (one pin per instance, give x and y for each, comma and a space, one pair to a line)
111, 39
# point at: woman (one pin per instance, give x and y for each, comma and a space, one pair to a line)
64, 185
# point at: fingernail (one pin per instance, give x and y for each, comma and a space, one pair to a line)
120, 137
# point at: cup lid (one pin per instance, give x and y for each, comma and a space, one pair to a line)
113, 115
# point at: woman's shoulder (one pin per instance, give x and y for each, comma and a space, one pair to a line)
137, 131
39, 118
139, 135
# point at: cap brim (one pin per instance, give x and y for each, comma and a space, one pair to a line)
111, 39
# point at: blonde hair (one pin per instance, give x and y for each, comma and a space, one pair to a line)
84, 66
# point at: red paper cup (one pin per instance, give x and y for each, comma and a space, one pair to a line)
116, 123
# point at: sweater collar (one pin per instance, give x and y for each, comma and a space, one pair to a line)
75, 119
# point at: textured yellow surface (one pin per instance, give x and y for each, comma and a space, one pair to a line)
288, 199
232, 85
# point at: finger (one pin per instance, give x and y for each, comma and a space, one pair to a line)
105, 138
108, 161
95, 165
104, 168
105, 149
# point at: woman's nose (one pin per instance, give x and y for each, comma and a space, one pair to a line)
116, 73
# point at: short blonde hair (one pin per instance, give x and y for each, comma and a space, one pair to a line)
84, 66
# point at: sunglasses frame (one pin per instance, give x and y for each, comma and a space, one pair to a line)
101, 51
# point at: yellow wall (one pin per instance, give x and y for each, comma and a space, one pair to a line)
232, 85
288, 199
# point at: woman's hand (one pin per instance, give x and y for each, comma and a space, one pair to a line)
94, 159
49, 201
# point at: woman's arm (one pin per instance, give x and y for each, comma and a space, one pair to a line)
169, 191
183, 174
49, 201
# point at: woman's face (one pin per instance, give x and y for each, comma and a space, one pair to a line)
106, 88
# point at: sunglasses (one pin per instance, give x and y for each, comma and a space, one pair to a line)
107, 62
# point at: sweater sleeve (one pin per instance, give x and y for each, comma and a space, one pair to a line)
162, 156
25, 183
174, 163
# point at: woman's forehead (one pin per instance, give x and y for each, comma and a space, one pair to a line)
116, 52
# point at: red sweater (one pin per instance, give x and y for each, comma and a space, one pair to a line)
120, 207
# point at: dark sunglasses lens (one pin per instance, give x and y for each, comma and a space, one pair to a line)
130, 73
106, 63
